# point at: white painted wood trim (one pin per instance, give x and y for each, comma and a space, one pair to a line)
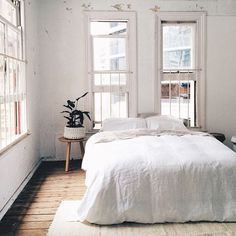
200, 19
18, 190
114, 15
14, 142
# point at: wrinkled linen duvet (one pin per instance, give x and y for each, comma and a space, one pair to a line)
148, 177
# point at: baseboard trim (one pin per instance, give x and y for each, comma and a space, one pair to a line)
8, 204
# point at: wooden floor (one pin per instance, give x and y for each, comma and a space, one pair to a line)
34, 209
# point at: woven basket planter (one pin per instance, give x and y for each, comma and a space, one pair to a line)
74, 133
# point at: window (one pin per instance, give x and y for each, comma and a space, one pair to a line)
181, 62
112, 65
12, 77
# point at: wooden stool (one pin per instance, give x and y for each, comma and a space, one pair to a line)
68, 148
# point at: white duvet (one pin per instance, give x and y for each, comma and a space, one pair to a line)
149, 178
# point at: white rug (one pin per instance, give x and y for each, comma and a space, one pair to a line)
62, 227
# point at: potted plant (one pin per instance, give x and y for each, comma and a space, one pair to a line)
74, 128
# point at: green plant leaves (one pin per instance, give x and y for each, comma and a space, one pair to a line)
75, 116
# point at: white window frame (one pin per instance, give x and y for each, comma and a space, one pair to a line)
19, 27
130, 17
200, 19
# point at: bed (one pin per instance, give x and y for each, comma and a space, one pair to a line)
152, 173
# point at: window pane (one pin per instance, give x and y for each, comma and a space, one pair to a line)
97, 106
21, 124
110, 79
175, 99
184, 100
2, 107
21, 86
2, 126
165, 98
102, 79
108, 27
13, 43
2, 83
109, 53
178, 46
106, 108
12, 120
1, 38
102, 106
8, 11
118, 105
12, 76
118, 79
110, 105
179, 101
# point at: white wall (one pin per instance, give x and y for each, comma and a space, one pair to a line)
17, 163
63, 71
221, 75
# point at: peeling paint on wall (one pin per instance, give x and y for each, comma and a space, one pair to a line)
87, 6
155, 8
69, 9
121, 6
212, 7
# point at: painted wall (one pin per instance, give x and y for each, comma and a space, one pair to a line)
221, 75
63, 70
18, 162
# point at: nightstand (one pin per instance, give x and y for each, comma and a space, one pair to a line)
219, 136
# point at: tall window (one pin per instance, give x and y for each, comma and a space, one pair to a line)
111, 60
12, 77
181, 66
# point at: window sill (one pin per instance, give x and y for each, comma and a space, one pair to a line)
13, 143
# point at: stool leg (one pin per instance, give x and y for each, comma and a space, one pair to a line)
81, 148
68, 156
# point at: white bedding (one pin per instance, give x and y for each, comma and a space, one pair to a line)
158, 178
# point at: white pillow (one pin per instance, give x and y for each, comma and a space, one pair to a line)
123, 124
165, 123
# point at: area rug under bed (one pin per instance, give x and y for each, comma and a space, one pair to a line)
62, 227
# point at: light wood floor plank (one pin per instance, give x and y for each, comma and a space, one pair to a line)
33, 232
34, 209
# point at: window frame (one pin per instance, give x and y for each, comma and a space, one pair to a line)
200, 19
19, 28
130, 17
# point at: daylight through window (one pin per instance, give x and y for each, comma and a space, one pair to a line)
179, 72
110, 69
12, 75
